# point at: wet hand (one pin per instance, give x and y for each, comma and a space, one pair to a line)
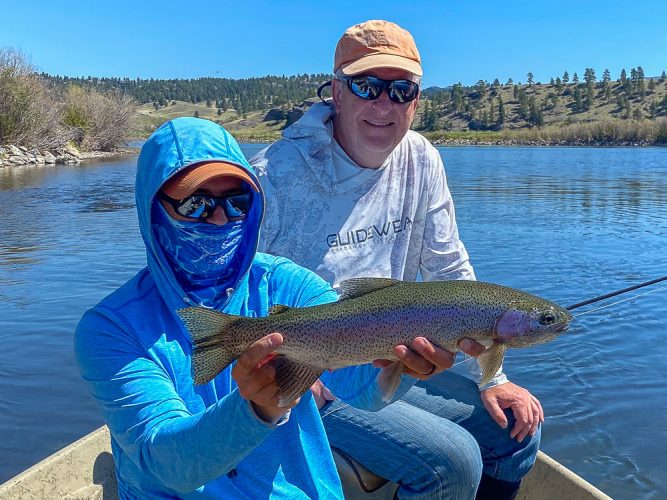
256, 377
526, 408
423, 359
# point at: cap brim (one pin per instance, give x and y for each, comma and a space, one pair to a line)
189, 180
376, 61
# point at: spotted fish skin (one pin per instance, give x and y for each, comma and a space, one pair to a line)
372, 316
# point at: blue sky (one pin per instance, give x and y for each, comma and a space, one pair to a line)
460, 41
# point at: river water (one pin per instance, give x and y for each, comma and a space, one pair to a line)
564, 223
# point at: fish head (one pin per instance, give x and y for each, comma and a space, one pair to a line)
528, 323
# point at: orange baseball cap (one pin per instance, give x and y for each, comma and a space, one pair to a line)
188, 180
376, 44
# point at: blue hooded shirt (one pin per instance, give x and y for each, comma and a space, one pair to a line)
170, 438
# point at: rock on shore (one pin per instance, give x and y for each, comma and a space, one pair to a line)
11, 155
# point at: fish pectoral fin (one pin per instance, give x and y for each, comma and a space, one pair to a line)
389, 380
490, 361
277, 309
293, 378
210, 331
356, 287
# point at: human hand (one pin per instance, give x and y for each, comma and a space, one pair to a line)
256, 378
526, 408
321, 394
423, 359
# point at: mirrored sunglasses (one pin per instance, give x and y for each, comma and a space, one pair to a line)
201, 206
371, 87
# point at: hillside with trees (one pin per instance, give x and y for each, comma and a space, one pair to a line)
39, 109
628, 109
587, 105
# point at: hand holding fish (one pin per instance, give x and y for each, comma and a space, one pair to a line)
256, 378
422, 359
526, 408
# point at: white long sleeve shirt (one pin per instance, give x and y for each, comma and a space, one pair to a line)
343, 221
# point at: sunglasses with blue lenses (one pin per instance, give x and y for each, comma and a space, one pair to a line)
201, 206
371, 87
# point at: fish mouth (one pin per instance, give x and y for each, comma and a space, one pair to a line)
559, 327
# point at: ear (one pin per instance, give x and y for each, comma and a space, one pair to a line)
336, 89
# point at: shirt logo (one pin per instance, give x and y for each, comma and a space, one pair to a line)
369, 234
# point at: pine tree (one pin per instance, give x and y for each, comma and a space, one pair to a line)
515, 92
492, 113
427, 109
578, 103
663, 77
626, 83
566, 78
606, 76
641, 83
523, 104
653, 109
535, 115
651, 85
589, 76
575, 79
501, 110
530, 78
590, 96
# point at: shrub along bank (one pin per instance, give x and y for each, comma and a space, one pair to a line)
38, 117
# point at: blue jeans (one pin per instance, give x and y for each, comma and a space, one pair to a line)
434, 442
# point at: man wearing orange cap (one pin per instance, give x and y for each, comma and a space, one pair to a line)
351, 191
200, 207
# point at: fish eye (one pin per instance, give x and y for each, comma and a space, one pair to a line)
547, 318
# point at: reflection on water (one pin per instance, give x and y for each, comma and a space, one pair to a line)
564, 223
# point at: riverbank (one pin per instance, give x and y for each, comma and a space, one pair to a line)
541, 142
11, 155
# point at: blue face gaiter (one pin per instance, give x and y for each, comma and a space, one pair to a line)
205, 257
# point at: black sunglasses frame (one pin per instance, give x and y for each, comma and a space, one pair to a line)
380, 85
211, 203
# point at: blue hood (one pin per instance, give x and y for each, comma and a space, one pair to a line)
176, 145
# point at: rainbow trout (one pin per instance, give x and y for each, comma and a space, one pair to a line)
371, 317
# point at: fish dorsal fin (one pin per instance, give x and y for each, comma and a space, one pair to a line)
277, 309
356, 287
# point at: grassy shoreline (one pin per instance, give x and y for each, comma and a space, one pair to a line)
607, 133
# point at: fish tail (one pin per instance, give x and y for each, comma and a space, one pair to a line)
212, 338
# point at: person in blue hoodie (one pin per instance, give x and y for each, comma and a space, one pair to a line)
200, 206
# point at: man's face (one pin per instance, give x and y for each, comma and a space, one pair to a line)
369, 131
